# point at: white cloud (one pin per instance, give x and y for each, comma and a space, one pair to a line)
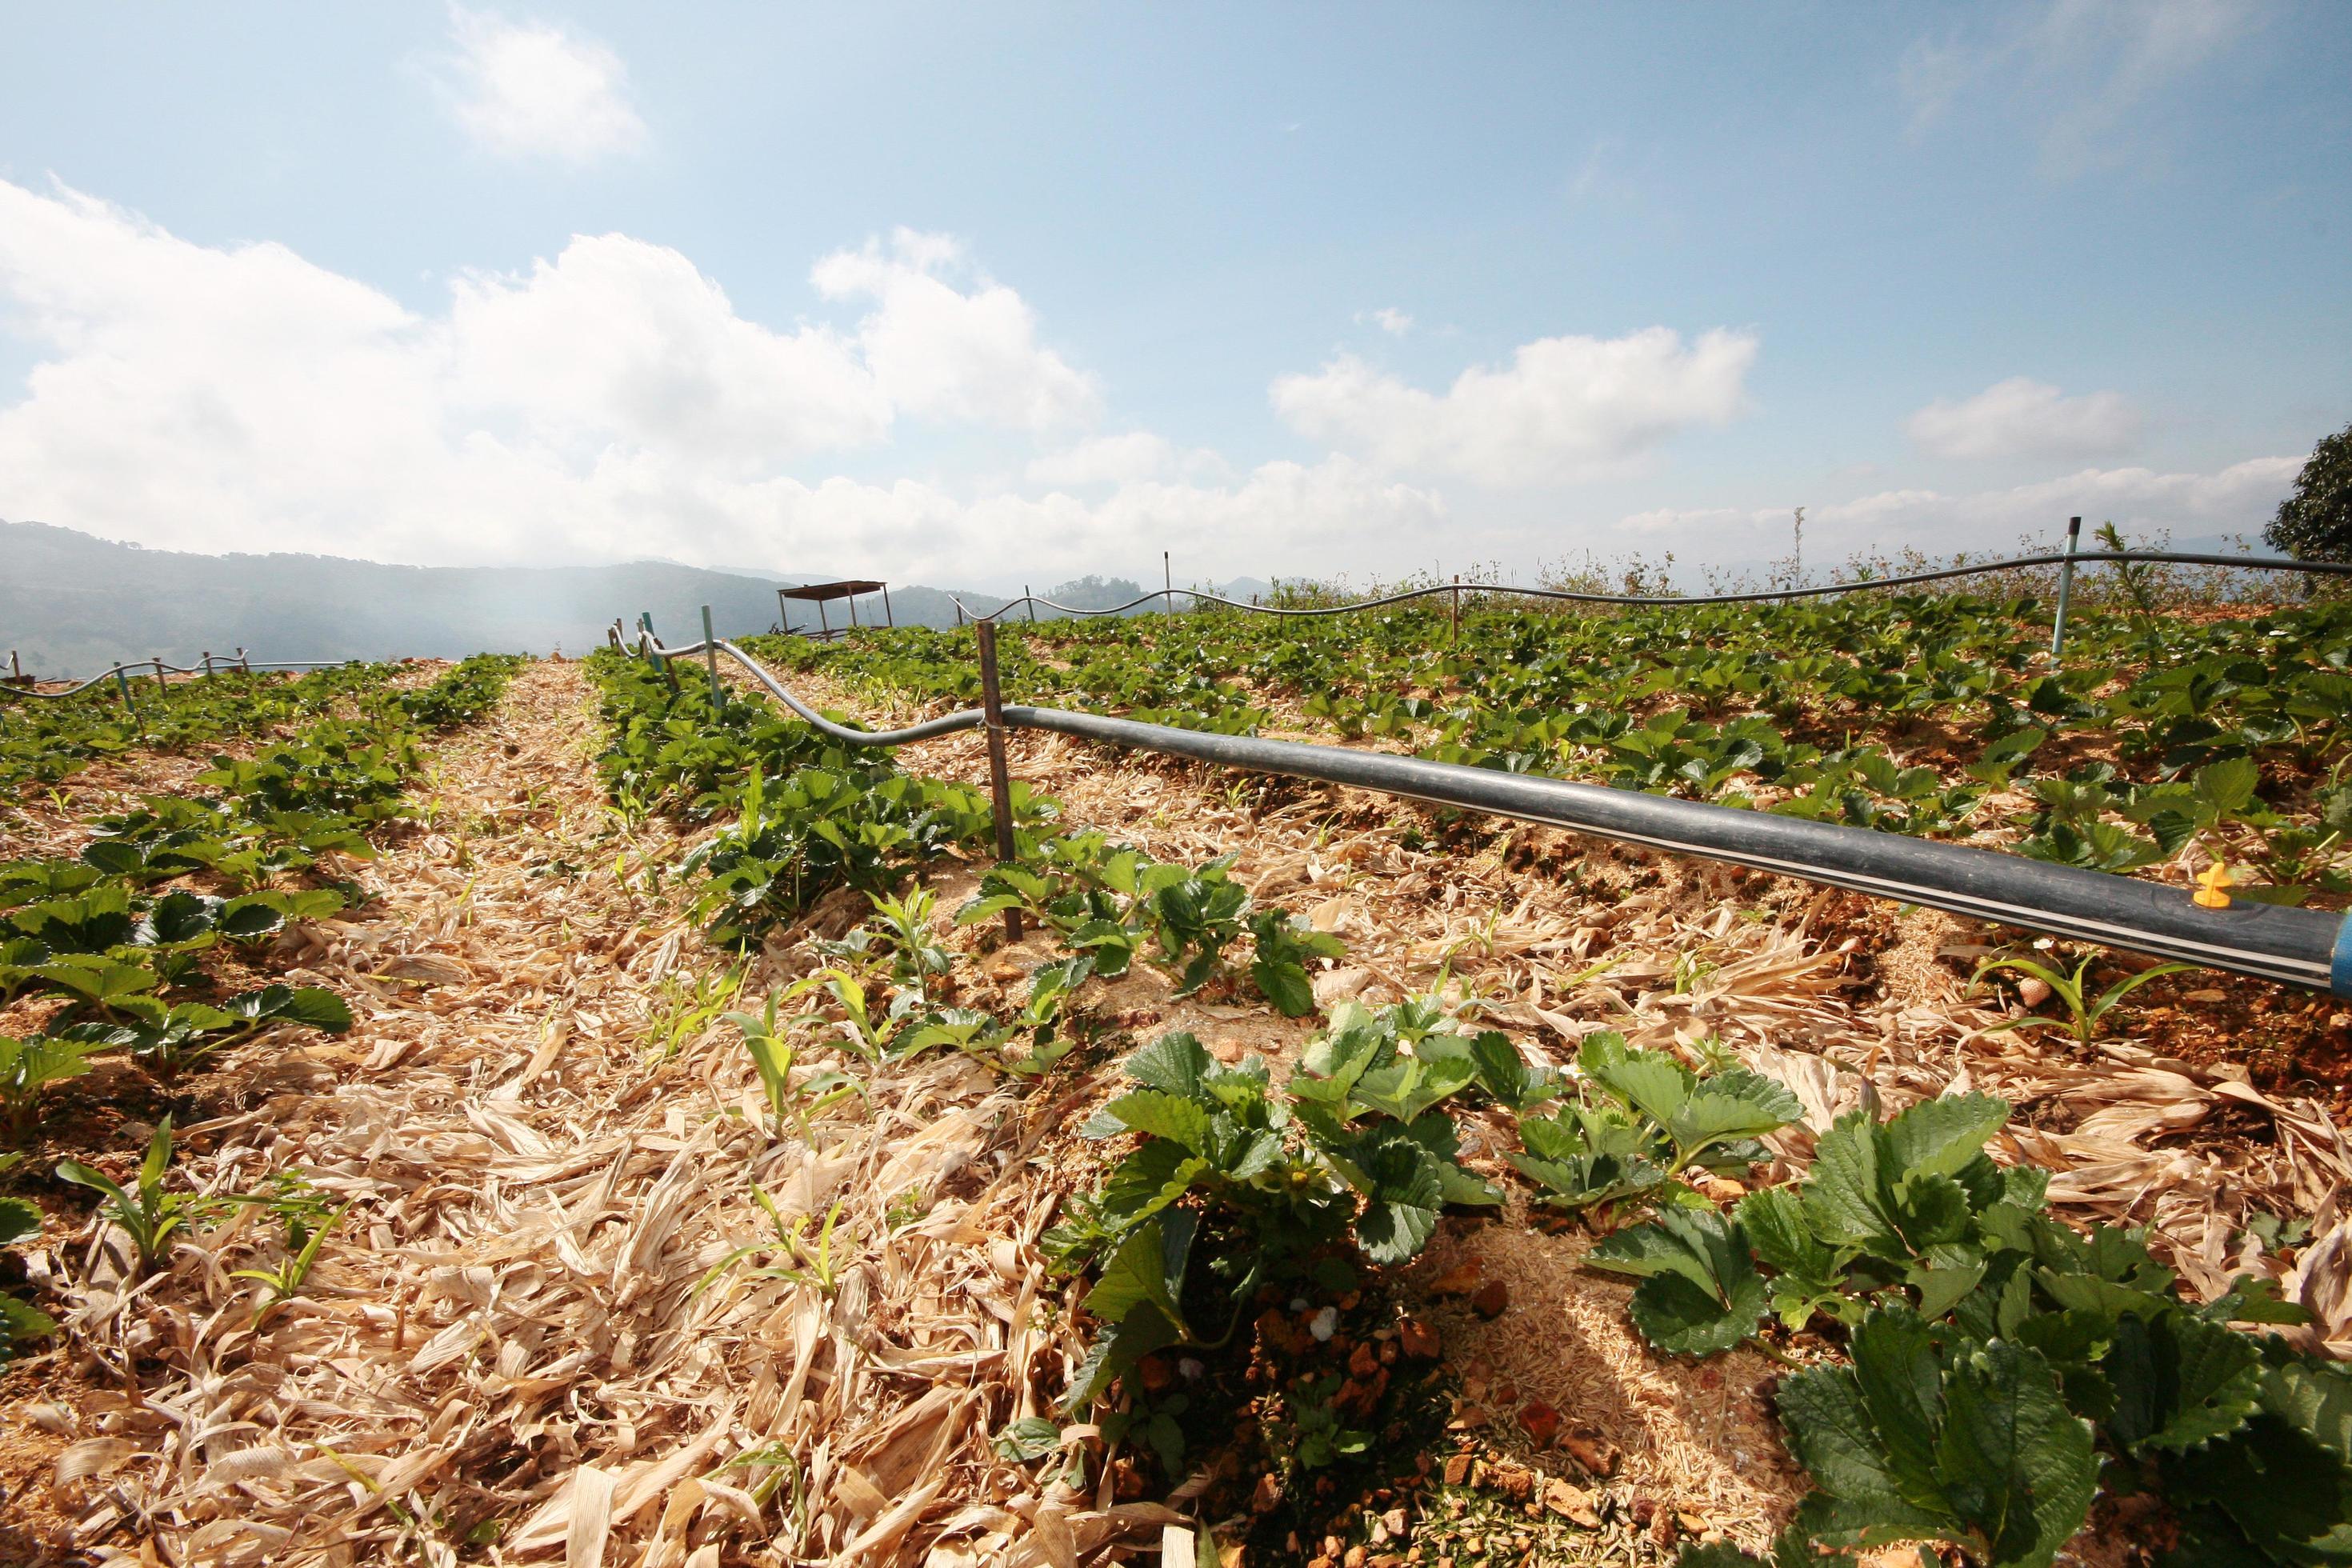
2079, 70
617, 340
530, 90
1601, 174
966, 356
606, 405
2142, 501
2020, 417
1702, 523
1105, 460
1565, 409
1388, 318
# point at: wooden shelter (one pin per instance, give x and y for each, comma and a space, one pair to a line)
848, 588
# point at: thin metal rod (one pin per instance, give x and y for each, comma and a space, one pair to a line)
710, 651
122, 683
1453, 616
889, 616
1031, 600
1168, 582
160, 685
2066, 588
1000, 784
853, 612
824, 625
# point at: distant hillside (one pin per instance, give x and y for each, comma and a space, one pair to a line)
71, 604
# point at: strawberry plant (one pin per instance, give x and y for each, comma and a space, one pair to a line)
29, 1065
1284, 945
21, 1323
1641, 1121
2003, 1367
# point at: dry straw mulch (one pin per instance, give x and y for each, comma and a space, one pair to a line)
506, 1339
509, 1339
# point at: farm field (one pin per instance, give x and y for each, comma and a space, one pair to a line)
529, 1110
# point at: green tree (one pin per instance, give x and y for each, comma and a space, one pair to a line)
2314, 523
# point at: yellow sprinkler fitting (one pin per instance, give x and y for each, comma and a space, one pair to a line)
2212, 887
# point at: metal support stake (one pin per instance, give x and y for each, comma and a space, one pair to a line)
1029, 599
158, 662
853, 612
999, 786
1454, 616
1167, 583
243, 663
653, 641
958, 607
823, 626
887, 614
2066, 588
710, 653
16, 670
208, 661
123, 684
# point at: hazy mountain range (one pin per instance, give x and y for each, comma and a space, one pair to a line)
71, 604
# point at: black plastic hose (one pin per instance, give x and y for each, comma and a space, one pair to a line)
2300, 947
1942, 574
158, 666
2311, 948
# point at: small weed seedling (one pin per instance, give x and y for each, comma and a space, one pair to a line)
2082, 1019
152, 1217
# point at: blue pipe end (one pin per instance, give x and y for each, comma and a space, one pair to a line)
2339, 973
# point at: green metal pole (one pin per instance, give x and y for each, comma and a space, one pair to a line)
2066, 588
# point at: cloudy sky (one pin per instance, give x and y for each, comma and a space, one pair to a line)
994, 294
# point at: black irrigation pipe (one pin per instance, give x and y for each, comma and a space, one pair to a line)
2058, 558
2311, 948
121, 672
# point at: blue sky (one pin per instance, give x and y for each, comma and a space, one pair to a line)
994, 294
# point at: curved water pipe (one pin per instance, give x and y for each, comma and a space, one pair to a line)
2310, 947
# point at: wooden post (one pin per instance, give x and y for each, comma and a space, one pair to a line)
2066, 588
1000, 786
887, 613
16, 670
160, 685
710, 655
208, 661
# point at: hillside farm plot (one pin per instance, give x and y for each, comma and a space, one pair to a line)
693, 1169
